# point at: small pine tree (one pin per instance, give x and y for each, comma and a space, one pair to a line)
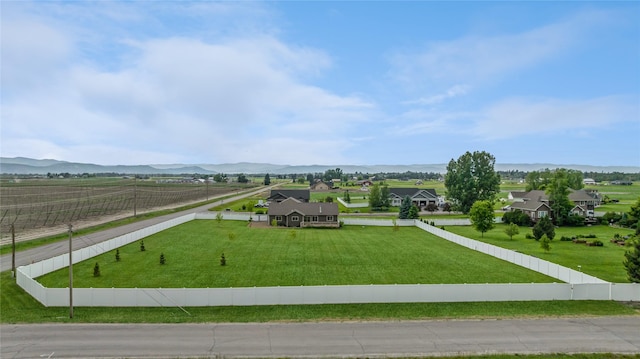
274, 223
219, 217
142, 249
414, 213
223, 260
395, 227
117, 255
545, 243
162, 259
632, 262
96, 270
544, 227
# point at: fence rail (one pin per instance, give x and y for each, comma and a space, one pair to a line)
579, 287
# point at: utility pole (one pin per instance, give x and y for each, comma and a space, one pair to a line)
70, 273
135, 194
13, 250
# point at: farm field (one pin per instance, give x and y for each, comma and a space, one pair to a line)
286, 257
33, 204
603, 262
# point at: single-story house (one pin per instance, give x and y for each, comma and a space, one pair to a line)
364, 182
588, 182
294, 213
320, 186
279, 195
419, 197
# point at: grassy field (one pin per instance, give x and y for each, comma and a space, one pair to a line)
287, 257
603, 262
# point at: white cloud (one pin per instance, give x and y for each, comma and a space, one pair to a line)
532, 117
475, 60
224, 101
455, 91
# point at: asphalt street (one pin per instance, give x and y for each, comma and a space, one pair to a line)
324, 339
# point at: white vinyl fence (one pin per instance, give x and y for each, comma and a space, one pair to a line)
580, 286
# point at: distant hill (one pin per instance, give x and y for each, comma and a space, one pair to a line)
23, 166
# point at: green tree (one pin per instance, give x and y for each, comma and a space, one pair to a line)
347, 196
267, 180
632, 261
471, 178
414, 213
374, 197
544, 227
117, 255
96, 270
558, 193
405, 207
482, 216
545, 243
511, 230
163, 260
634, 215
242, 178
384, 197
219, 177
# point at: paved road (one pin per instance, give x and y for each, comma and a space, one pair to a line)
58, 248
351, 339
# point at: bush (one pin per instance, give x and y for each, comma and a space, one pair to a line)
223, 260
260, 211
529, 236
565, 239
162, 259
518, 217
595, 243
574, 221
96, 270
117, 255
142, 249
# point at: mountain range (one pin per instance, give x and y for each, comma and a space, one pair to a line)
24, 166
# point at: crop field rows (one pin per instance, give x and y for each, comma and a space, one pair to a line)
36, 204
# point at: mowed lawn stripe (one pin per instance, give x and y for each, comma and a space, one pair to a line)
290, 257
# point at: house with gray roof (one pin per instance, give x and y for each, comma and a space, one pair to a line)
419, 197
294, 213
279, 195
536, 203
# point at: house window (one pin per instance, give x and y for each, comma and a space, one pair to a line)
542, 214
329, 218
315, 218
295, 218
278, 218
307, 218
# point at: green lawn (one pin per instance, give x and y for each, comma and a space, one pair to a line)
602, 262
287, 257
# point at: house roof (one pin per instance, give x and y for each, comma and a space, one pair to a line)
300, 194
412, 192
529, 205
291, 205
541, 196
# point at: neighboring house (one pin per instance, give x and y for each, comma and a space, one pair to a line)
294, 213
623, 183
516, 196
364, 182
320, 186
530, 202
588, 181
279, 195
534, 209
419, 197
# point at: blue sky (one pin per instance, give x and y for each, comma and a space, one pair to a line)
331, 83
